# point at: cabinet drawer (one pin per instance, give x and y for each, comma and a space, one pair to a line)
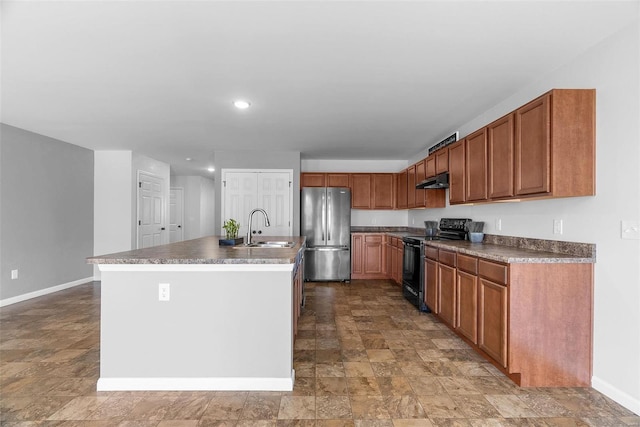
468, 264
447, 257
373, 238
495, 272
431, 253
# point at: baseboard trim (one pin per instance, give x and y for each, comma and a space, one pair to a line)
42, 292
196, 384
626, 400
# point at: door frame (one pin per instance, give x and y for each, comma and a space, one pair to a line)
163, 208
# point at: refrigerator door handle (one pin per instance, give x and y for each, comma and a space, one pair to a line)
328, 217
328, 249
324, 215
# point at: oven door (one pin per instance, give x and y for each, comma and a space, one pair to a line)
411, 262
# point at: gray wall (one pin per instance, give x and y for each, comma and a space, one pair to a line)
46, 219
258, 159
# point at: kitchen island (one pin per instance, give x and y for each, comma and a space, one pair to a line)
194, 315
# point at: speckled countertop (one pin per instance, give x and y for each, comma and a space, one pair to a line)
507, 249
206, 250
509, 254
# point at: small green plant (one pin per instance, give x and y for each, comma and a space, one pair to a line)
231, 227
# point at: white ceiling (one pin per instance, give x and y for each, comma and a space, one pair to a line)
331, 79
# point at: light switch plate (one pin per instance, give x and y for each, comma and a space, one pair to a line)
498, 224
630, 230
14, 274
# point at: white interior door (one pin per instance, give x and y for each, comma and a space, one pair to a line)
151, 226
274, 196
176, 214
271, 190
239, 198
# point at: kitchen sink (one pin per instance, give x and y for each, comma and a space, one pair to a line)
267, 244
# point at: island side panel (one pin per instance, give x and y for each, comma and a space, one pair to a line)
222, 324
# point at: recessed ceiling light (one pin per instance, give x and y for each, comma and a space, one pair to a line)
188, 159
241, 104
211, 169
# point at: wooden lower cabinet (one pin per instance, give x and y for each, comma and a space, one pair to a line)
399, 258
492, 320
298, 283
388, 255
367, 256
467, 297
431, 284
394, 264
532, 321
447, 293
467, 305
357, 246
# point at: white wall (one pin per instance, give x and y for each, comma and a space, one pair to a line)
613, 69
199, 205
113, 188
207, 207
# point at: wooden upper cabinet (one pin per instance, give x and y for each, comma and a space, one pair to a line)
383, 191
442, 160
320, 179
361, 195
401, 190
430, 166
337, 180
555, 144
500, 161
420, 176
457, 172
476, 166
411, 187
533, 147
310, 179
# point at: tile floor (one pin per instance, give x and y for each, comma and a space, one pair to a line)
363, 357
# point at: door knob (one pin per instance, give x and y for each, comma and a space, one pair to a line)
179, 226
162, 229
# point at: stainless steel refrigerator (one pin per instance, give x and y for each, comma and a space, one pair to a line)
326, 221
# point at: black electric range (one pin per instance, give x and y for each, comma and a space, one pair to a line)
413, 256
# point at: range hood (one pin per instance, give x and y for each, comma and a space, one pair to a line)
438, 181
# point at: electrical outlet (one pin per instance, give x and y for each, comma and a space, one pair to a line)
164, 292
14, 274
413, 221
557, 226
498, 224
630, 230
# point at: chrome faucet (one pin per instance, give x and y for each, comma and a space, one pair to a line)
266, 222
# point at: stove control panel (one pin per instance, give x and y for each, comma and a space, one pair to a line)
454, 224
